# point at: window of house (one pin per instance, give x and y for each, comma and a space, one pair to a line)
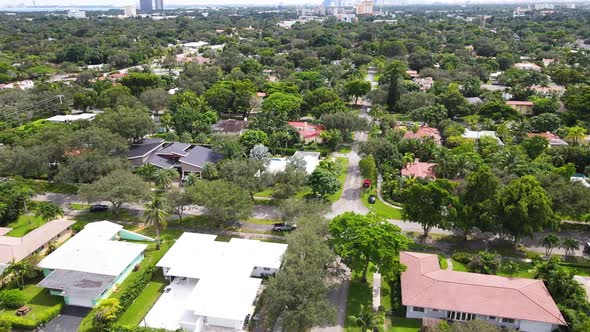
418, 309
492, 317
508, 320
266, 268
435, 310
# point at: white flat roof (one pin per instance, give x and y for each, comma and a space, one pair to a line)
199, 256
94, 250
223, 297
72, 117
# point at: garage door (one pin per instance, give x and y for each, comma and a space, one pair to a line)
81, 302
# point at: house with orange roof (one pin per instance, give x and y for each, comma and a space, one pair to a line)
419, 169
424, 131
428, 292
553, 139
308, 132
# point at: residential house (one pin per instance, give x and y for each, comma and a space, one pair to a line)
213, 284
419, 169
477, 135
425, 83
88, 267
184, 157
308, 132
230, 127
14, 249
512, 303
194, 46
412, 73
474, 100
424, 131
522, 107
71, 118
548, 90
553, 139
526, 66
547, 62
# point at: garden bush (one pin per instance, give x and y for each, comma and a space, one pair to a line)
136, 287
13, 298
462, 257
30, 322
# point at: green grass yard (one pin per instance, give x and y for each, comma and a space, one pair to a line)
144, 302
402, 324
380, 208
37, 298
342, 167
24, 224
87, 216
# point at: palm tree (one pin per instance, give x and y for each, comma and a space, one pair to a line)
407, 159
48, 211
570, 245
163, 177
192, 178
575, 134
367, 319
19, 270
155, 215
549, 242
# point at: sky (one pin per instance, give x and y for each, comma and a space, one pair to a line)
171, 3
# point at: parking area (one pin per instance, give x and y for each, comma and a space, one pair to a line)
167, 312
68, 321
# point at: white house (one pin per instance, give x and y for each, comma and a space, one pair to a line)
72, 117
476, 135
213, 284
514, 303
86, 269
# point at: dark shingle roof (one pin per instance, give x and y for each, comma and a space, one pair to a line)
175, 148
76, 283
161, 162
146, 146
199, 156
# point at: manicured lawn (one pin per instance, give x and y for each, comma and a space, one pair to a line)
379, 207
442, 261
37, 298
266, 193
342, 167
144, 302
24, 224
458, 266
344, 149
402, 324
57, 188
261, 221
359, 293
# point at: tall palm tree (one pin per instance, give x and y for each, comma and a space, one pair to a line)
570, 245
407, 159
367, 319
575, 134
163, 177
549, 242
155, 215
19, 270
191, 179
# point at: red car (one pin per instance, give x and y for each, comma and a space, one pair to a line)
366, 183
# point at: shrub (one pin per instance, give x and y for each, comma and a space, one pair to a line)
13, 298
136, 287
462, 257
32, 321
485, 262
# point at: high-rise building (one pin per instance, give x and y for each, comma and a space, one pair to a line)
130, 11
365, 7
146, 5
159, 5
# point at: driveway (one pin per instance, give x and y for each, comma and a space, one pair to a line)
68, 321
350, 201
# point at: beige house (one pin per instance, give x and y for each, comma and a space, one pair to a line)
522, 107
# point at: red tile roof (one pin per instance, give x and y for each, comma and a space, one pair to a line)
551, 137
424, 132
419, 170
307, 130
424, 284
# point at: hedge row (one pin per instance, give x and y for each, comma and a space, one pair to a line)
28, 323
137, 286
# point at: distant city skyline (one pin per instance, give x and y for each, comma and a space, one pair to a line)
175, 3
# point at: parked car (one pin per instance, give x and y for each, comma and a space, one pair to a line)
167, 289
246, 321
372, 199
587, 248
282, 227
98, 208
366, 183
23, 310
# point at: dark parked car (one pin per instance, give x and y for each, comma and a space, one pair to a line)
372, 199
282, 227
587, 248
98, 208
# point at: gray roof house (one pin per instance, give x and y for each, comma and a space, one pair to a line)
185, 157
